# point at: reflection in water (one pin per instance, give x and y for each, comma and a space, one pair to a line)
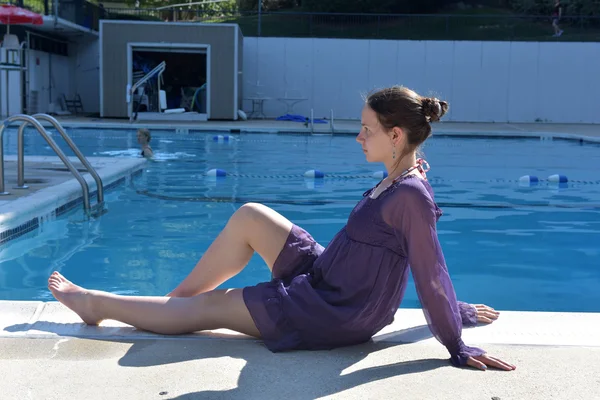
43, 251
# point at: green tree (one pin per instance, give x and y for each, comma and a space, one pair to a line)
270, 5
544, 7
229, 5
375, 6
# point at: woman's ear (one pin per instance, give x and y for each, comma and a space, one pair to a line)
396, 135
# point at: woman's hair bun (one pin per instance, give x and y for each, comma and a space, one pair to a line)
434, 109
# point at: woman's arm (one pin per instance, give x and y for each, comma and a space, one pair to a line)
414, 223
147, 152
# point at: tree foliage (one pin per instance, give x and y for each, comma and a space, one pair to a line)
543, 7
570, 7
375, 6
270, 5
224, 6
534, 7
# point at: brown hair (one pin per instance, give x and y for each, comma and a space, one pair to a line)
404, 108
145, 132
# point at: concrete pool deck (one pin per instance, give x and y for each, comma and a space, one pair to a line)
47, 353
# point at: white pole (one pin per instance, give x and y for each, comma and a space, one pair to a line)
331, 122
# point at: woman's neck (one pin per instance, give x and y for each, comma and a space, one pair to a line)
395, 170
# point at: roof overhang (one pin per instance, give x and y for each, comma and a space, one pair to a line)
62, 27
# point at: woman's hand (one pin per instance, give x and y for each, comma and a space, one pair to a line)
485, 313
485, 361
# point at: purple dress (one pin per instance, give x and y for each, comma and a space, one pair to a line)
323, 298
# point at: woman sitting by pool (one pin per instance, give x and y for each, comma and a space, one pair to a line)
321, 298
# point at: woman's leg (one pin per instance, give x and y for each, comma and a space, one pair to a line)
253, 227
168, 316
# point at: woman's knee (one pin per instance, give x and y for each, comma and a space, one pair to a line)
263, 229
250, 212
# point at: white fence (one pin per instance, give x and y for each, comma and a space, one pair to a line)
483, 81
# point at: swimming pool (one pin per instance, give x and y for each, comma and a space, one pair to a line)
513, 247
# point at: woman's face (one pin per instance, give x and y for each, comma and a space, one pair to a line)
376, 142
142, 139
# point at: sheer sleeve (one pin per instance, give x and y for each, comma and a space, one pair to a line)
468, 314
411, 212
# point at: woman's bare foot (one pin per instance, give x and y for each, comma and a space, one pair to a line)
75, 297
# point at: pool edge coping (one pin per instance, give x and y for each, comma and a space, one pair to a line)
31, 319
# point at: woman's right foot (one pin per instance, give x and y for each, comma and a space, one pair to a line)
74, 297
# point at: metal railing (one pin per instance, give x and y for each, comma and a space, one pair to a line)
98, 209
380, 26
70, 143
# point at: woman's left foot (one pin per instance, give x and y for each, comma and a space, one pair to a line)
75, 297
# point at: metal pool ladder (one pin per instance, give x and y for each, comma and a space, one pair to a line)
95, 210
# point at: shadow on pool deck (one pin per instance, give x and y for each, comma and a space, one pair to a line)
297, 375
220, 369
311, 374
315, 373
312, 382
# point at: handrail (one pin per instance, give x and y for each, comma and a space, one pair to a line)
159, 69
59, 128
52, 144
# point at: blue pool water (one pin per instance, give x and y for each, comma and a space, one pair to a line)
518, 248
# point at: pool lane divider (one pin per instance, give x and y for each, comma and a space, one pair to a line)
524, 181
